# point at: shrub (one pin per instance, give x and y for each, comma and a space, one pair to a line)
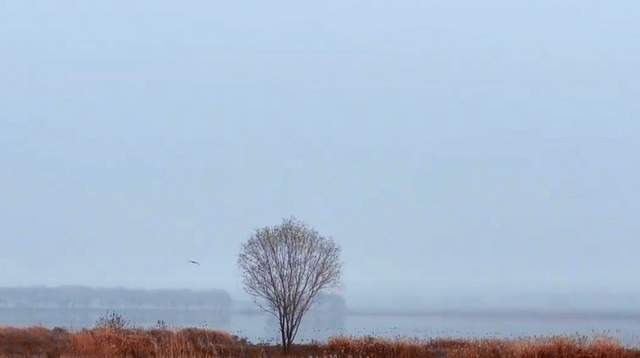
112, 320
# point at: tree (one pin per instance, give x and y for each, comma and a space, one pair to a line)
284, 268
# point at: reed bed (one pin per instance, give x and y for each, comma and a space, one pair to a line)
196, 343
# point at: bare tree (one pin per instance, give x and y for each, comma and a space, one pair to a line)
284, 267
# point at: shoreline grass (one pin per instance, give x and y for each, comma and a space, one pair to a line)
192, 342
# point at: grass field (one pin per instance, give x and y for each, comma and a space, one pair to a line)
106, 342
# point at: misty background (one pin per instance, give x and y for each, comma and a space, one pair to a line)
460, 152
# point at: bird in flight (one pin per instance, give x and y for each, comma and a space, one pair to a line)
194, 262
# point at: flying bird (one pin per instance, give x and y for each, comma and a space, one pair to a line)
194, 262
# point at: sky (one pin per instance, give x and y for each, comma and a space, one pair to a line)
447, 146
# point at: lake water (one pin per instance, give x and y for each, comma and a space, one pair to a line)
261, 328
624, 328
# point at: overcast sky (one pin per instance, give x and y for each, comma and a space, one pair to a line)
472, 145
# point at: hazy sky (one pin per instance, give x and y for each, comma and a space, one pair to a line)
444, 144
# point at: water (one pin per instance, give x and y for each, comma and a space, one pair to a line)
624, 328
261, 328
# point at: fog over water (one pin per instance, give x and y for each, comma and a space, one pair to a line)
467, 156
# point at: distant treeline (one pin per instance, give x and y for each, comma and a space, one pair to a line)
78, 297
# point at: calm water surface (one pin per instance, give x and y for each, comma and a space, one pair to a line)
626, 329
261, 328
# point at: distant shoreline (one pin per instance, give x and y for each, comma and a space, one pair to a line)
506, 313
486, 313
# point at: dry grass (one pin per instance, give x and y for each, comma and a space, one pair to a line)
35, 341
106, 342
557, 347
162, 343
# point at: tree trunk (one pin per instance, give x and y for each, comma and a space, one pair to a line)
284, 341
289, 344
